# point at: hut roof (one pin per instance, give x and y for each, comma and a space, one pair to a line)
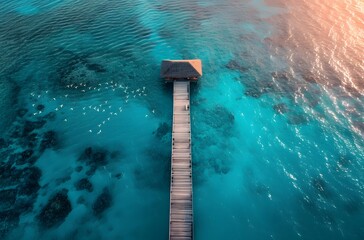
181, 68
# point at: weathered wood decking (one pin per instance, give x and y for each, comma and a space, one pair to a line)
181, 208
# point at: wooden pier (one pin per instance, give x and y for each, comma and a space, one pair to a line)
181, 72
181, 207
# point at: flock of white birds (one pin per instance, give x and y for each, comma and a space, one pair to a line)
67, 102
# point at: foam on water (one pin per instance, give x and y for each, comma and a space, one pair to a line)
276, 119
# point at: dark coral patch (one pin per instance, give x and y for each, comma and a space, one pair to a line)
255, 93
257, 89
219, 117
297, 119
102, 202
50, 116
281, 76
359, 125
91, 171
24, 157
78, 70
24, 204
94, 158
162, 130
344, 161
9, 175
56, 210
21, 112
309, 77
235, 65
87, 153
30, 126
29, 181
321, 187
280, 108
84, 184
78, 168
49, 140
279, 82
95, 67
9, 219
119, 175
99, 158
40, 107
31, 140
3, 143
353, 206
7, 198
219, 166
309, 204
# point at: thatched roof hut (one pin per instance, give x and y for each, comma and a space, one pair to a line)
181, 69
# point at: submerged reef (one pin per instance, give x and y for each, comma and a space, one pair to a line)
25, 180
28, 132
309, 204
30, 181
49, 140
354, 205
162, 130
280, 108
7, 198
9, 219
56, 210
219, 118
314, 207
297, 119
219, 164
77, 71
214, 124
344, 162
8, 98
281, 83
102, 202
321, 187
84, 184
94, 158
19, 178
18, 192
25, 157
235, 65
30, 126
3, 143
257, 188
309, 77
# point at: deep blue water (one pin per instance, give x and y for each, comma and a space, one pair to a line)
277, 118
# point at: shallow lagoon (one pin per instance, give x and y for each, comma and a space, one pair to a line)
277, 145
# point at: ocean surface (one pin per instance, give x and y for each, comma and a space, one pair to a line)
277, 118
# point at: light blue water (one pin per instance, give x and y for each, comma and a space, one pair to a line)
277, 118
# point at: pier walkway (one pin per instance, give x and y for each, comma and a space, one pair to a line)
181, 207
181, 73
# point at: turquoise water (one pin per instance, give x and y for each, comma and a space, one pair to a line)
277, 118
